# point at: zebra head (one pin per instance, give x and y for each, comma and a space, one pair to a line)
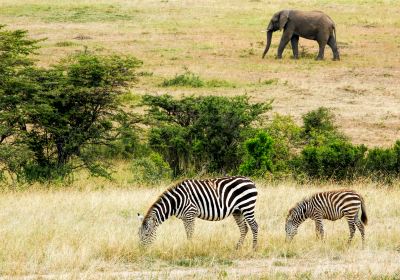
296, 216
290, 227
147, 230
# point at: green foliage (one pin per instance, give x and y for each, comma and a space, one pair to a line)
259, 155
189, 79
201, 133
58, 115
151, 169
287, 142
384, 162
335, 160
319, 127
215, 83
15, 94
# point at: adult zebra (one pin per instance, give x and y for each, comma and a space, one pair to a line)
212, 200
331, 205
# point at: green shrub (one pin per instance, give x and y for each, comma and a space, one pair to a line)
172, 142
335, 160
187, 79
319, 127
383, 162
151, 169
258, 159
201, 133
287, 142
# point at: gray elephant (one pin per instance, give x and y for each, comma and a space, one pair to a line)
313, 25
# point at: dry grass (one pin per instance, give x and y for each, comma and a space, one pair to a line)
221, 39
93, 234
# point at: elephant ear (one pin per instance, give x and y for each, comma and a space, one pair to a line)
283, 19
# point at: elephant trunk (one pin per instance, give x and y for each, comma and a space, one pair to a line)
269, 38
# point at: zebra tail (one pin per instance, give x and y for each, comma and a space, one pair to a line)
364, 218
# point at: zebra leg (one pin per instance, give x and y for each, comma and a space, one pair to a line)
240, 221
352, 227
319, 229
188, 222
249, 217
360, 227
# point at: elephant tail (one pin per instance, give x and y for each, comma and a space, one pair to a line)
334, 31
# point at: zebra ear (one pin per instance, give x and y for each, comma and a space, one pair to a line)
140, 217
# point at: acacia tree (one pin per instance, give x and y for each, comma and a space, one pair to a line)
15, 89
57, 116
201, 133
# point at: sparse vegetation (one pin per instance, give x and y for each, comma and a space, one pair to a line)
191, 80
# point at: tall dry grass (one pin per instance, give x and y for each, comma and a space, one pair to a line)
69, 232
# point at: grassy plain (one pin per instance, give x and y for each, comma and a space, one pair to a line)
221, 39
92, 234
89, 230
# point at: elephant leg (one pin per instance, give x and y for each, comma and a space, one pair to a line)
332, 44
241, 222
294, 41
322, 40
284, 40
321, 50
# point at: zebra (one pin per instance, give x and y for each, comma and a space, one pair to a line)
211, 200
330, 205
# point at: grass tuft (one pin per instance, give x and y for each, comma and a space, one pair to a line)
64, 44
192, 80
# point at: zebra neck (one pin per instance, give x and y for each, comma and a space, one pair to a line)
164, 207
304, 211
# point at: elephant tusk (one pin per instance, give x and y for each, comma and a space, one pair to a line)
262, 31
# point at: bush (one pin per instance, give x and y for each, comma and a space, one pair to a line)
187, 79
319, 127
171, 141
383, 162
201, 133
151, 169
287, 142
259, 151
335, 160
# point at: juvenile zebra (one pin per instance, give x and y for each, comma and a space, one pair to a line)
332, 205
212, 200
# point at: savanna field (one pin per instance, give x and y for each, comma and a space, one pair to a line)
87, 227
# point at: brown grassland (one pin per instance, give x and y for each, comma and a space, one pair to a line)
88, 231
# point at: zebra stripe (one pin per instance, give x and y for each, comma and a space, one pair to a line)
211, 200
332, 205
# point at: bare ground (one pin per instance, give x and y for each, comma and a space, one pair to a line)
356, 266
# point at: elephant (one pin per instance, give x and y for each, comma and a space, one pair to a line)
313, 25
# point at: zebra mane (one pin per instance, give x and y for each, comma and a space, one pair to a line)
148, 214
298, 204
